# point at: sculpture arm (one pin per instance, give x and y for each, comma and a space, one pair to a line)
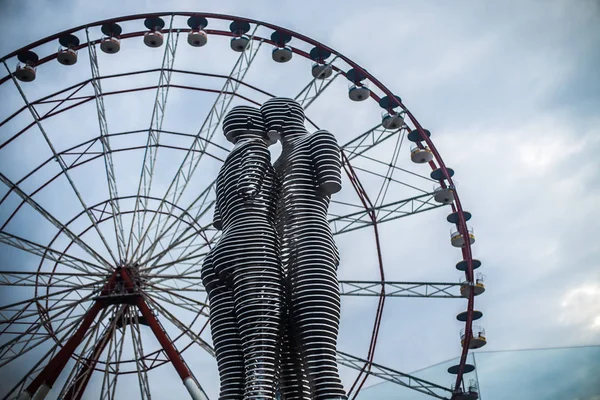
327, 163
255, 161
217, 220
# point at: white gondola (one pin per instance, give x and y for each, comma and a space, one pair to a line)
444, 195
478, 286
25, 73
197, 38
282, 54
359, 92
67, 56
392, 121
239, 43
321, 71
457, 239
110, 45
420, 155
478, 339
153, 39
471, 393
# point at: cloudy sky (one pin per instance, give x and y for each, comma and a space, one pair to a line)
509, 90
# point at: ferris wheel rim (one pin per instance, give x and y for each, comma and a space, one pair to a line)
457, 207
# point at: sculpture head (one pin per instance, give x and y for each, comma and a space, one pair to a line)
244, 121
283, 115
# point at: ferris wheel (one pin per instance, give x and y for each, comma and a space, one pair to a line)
99, 176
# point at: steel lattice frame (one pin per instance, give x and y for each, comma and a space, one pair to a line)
140, 262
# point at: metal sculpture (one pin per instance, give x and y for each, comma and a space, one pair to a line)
242, 273
309, 172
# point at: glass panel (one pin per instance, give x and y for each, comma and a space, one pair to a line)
549, 374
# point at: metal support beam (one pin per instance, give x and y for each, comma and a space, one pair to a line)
152, 143
440, 290
62, 165
386, 212
42, 211
369, 139
209, 127
46, 378
315, 88
108, 162
47, 279
76, 387
53, 369
391, 375
434, 290
51, 254
174, 356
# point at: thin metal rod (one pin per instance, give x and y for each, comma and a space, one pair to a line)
60, 161
391, 375
156, 121
42, 211
209, 127
104, 140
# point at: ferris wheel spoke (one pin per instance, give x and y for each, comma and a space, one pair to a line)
19, 313
106, 149
315, 88
186, 247
138, 351
210, 125
156, 122
369, 140
190, 260
61, 163
395, 167
75, 238
391, 211
446, 290
181, 326
176, 299
383, 190
35, 300
391, 375
372, 173
51, 254
191, 282
188, 281
114, 355
187, 241
199, 207
49, 279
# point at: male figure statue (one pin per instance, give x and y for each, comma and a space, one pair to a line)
309, 172
242, 273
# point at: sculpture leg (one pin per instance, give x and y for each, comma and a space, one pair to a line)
293, 383
226, 339
258, 306
316, 314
